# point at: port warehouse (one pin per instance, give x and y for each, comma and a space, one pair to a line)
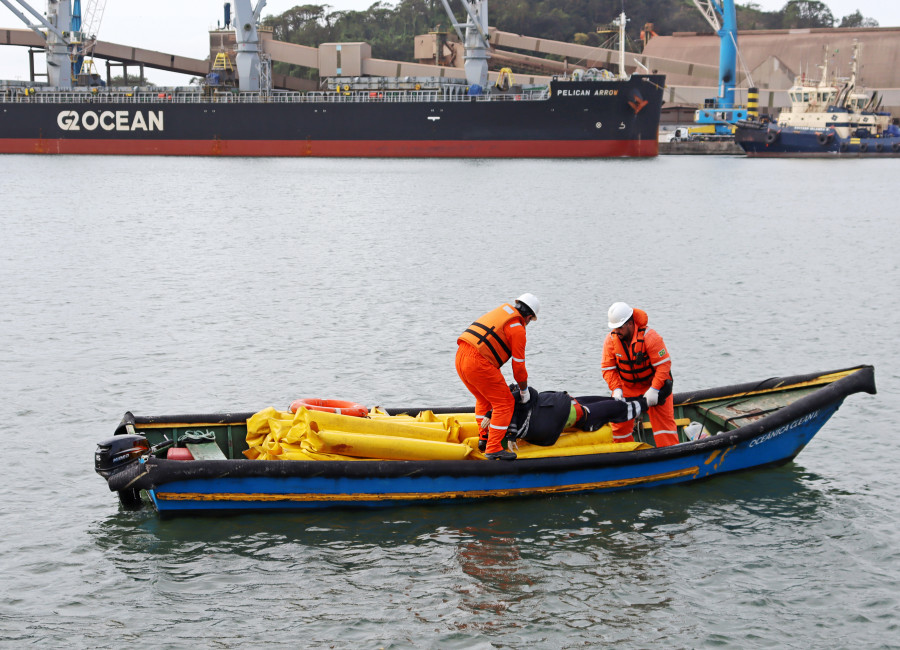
773, 59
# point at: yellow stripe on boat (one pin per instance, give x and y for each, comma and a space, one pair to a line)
406, 496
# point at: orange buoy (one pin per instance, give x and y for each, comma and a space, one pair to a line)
331, 406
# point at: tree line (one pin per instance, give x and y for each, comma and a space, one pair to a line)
390, 28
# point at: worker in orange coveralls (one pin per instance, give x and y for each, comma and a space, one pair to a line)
636, 363
492, 340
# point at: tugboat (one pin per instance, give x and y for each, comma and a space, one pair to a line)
825, 120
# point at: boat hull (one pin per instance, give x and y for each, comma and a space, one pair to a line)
759, 141
780, 416
370, 486
578, 119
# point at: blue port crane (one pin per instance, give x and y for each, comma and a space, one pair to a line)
78, 59
721, 111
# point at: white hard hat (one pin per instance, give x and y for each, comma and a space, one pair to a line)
530, 300
618, 314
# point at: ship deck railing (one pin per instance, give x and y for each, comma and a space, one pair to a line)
226, 97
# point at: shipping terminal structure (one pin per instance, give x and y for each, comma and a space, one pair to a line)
590, 113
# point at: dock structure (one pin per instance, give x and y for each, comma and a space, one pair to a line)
774, 59
771, 59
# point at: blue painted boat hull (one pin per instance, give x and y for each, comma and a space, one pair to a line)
761, 141
707, 459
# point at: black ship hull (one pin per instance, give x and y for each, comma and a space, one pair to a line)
578, 119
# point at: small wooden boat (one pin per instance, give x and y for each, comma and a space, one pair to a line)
221, 463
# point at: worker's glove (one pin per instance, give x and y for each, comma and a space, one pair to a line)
617, 394
652, 396
509, 442
524, 396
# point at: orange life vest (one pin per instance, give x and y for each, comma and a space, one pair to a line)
633, 364
486, 334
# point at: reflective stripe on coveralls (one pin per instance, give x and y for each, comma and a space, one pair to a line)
662, 419
641, 363
486, 383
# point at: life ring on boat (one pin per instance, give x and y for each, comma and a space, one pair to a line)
863, 147
331, 406
824, 139
771, 136
879, 147
895, 147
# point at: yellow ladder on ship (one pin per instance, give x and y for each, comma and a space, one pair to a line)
222, 62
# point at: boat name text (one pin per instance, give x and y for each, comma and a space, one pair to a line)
787, 427
110, 120
586, 92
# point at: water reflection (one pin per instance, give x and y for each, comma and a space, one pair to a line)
583, 563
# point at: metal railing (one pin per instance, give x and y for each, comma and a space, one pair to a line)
24, 95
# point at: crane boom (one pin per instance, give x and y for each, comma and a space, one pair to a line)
722, 17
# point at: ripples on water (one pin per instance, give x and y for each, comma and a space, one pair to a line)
177, 285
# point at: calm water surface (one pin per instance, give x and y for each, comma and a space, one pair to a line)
164, 285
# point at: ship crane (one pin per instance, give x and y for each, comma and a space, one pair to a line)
62, 38
721, 111
476, 41
253, 70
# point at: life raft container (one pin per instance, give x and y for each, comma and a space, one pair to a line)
331, 406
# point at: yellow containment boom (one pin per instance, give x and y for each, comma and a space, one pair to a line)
315, 435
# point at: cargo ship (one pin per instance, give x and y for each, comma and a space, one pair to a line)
590, 113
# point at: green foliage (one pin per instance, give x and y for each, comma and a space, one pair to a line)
806, 13
130, 80
856, 19
390, 29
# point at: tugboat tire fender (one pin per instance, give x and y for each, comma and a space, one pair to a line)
771, 136
824, 139
863, 147
879, 147
844, 147
895, 147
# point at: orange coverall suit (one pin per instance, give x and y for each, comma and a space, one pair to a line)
484, 347
641, 363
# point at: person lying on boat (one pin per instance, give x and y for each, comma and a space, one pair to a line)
545, 415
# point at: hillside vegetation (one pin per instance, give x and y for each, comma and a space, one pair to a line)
390, 28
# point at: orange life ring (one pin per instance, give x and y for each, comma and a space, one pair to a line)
331, 406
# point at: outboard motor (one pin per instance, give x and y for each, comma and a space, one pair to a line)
118, 452
114, 455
